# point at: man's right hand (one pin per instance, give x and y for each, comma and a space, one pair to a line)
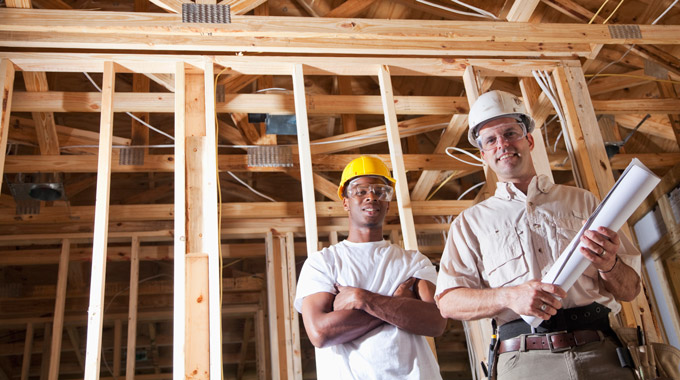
534, 298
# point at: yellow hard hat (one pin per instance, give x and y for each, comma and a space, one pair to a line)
364, 165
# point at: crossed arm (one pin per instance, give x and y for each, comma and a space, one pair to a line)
334, 319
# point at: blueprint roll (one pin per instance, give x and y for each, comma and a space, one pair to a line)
634, 185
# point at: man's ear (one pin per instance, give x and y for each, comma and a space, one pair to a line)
345, 203
530, 137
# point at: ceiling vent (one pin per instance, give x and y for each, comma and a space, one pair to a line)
29, 190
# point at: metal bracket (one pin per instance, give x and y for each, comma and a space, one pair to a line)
206, 13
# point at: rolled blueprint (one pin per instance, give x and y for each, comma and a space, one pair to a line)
634, 185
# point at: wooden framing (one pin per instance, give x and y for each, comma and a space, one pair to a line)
195, 129
96, 309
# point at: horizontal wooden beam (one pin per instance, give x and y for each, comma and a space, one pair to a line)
320, 162
150, 25
231, 212
127, 31
280, 65
117, 253
163, 102
226, 162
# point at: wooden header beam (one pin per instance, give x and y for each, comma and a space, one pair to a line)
154, 31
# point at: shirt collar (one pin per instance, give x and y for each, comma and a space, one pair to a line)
507, 190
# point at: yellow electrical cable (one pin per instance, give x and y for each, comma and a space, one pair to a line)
635, 76
598, 11
441, 185
614, 11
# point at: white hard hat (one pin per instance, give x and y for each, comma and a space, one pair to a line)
493, 105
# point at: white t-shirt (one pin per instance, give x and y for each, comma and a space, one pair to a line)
385, 352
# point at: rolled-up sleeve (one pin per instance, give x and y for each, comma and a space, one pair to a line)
458, 266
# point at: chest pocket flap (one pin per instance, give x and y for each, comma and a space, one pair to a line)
503, 257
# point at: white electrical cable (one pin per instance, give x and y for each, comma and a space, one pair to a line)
664, 12
481, 11
544, 82
470, 189
464, 152
131, 115
250, 188
454, 10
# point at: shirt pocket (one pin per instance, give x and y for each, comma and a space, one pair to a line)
504, 261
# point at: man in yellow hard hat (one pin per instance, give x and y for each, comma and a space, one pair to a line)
367, 305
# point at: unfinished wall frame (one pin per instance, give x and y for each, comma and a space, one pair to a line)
268, 220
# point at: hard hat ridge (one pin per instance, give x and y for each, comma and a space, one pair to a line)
493, 105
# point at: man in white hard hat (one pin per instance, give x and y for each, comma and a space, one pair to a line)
498, 250
367, 305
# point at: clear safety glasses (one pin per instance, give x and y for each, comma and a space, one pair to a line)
510, 132
361, 191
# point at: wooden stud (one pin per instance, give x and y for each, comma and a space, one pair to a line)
46, 351
132, 311
286, 309
28, 351
248, 325
397, 159
75, 343
58, 325
117, 346
101, 230
293, 314
522, 10
179, 313
6, 88
304, 152
532, 96
211, 233
272, 309
260, 344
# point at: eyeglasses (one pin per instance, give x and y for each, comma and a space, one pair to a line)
509, 132
381, 191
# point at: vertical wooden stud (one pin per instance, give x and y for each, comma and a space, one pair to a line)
179, 297
6, 88
132, 310
271, 306
398, 169
28, 351
58, 324
304, 152
101, 228
294, 319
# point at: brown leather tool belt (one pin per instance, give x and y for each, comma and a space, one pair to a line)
555, 342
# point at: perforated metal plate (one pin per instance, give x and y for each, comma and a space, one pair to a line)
206, 13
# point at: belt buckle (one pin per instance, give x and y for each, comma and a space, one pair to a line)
550, 342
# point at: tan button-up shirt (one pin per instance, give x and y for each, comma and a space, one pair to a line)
512, 238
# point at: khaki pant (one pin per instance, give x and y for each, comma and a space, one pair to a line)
596, 360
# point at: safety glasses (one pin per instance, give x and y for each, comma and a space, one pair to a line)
510, 132
360, 191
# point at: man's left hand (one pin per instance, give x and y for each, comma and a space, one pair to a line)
600, 247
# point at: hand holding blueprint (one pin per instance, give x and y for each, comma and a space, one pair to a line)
634, 185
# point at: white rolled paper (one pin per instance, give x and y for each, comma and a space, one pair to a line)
633, 186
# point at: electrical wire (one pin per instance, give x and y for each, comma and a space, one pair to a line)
598, 12
636, 76
479, 10
470, 189
614, 11
250, 188
131, 115
464, 152
485, 14
631, 46
545, 83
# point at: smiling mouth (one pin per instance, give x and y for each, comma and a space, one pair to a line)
506, 156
